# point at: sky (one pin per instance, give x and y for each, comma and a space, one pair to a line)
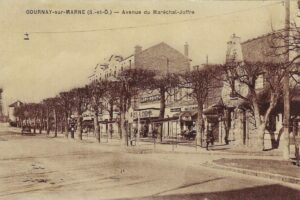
64, 49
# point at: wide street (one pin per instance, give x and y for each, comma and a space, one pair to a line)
39, 167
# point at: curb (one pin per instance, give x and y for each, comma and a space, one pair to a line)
277, 177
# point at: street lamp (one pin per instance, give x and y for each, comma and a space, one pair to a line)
26, 36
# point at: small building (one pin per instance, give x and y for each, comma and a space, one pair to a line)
11, 111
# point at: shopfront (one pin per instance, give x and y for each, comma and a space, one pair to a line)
143, 120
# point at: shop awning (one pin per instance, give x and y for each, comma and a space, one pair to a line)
186, 115
214, 109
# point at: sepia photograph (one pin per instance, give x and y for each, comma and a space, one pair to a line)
150, 99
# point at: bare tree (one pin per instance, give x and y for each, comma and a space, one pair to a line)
52, 110
130, 81
96, 92
164, 83
113, 103
34, 110
19, 114
80, 103
48, 105
201, 82
247, 74
66, 100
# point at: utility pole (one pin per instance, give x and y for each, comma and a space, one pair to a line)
286, 98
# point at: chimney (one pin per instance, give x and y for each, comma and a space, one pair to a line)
186, 49
137, 49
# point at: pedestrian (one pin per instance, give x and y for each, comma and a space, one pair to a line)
209, 137
155, 132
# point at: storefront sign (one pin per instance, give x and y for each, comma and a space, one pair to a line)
190, 108
175, 110
146, 113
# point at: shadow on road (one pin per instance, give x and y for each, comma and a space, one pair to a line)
274, 191
188, 185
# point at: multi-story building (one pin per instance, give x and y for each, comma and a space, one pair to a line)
181, 108
161, 58
111, 67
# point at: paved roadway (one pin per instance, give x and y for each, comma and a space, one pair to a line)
37, 167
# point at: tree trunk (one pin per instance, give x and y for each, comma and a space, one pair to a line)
79, 127
66, 124
48, 122
79, 121
262, 127
34, 127
261, 133
97, 127
111, 116
62, 125
200, 124
55, 122
124, 128
162, 112
255, 107
226, 125
119, 129
259, 124
40, 125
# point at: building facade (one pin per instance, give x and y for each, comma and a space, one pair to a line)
160, 58
261, 49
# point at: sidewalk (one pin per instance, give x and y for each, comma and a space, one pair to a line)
271, 169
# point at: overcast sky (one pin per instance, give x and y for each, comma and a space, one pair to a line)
51, 62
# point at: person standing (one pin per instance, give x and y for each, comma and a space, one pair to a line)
209, 137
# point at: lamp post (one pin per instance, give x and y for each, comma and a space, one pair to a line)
286, 98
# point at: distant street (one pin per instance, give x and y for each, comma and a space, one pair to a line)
37, 167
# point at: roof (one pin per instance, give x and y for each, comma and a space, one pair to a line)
15, 104
264, 48
259, 37
162, 58
162, 44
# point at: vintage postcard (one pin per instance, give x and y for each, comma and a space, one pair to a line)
151, 99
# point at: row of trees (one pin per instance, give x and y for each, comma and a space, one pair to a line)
119, 93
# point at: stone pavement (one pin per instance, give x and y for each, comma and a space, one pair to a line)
210, 159
289, 174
